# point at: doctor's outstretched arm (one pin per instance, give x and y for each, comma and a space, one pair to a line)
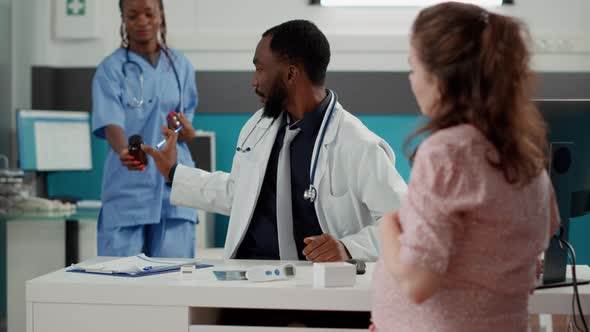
193, 187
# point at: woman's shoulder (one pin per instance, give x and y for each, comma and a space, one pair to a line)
179, 56
459, 141
456, 137
112, 62
177, 53
116, 57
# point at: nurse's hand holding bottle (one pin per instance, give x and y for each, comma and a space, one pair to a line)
116, 138
129, 161
165, 158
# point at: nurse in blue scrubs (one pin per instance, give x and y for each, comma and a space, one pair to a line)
134, 90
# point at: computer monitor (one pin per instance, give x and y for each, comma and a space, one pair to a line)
53, 140
568, 123
202, 149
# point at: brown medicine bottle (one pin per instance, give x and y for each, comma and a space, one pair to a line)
135, 150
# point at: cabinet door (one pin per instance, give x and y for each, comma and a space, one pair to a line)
65, 317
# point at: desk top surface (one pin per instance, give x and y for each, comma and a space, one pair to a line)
206, 291
202, 290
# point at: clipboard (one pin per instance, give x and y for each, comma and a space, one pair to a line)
135, 266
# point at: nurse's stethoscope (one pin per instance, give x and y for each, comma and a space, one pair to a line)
137, 101
311, 193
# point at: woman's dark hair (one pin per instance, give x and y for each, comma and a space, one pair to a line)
301, 42
481, 61
163, 44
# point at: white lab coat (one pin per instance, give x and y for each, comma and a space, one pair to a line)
356, 181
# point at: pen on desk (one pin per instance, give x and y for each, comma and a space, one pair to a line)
159, 145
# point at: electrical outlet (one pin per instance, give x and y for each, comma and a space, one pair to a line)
562, 44
554, 45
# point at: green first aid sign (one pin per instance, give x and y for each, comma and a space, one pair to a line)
76, 7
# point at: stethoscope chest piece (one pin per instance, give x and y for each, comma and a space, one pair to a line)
310, 194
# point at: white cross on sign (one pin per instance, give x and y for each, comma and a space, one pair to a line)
76, 7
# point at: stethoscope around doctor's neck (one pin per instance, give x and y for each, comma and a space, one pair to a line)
137, 101
311, 193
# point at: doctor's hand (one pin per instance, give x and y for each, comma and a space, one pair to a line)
129, 161
165, 158
187, 133
325, 248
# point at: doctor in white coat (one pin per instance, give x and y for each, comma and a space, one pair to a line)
347, 171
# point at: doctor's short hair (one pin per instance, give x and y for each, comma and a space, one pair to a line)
481, 62
301, 42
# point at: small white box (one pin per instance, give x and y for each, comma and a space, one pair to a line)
338, 274
187, 272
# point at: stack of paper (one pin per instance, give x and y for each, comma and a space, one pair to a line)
88, 204
134, 265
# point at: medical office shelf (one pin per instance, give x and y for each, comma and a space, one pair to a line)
31, 244
70, 218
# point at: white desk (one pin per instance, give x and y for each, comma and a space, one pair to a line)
63, 301
558, 301
59, 241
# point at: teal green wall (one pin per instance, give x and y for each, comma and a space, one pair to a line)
579, 232
81, 184
393, 128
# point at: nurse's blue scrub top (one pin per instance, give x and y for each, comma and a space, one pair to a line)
131, 198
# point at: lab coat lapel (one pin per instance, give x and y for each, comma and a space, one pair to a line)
332, 129
256, 162
266, 131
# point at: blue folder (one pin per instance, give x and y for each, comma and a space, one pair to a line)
135, 266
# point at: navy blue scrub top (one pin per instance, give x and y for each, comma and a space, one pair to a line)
261, 239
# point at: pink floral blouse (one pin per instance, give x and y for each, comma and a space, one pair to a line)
462, 219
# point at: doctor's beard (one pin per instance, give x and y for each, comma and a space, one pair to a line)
276, 100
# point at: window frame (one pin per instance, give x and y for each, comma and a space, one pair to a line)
319, 3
